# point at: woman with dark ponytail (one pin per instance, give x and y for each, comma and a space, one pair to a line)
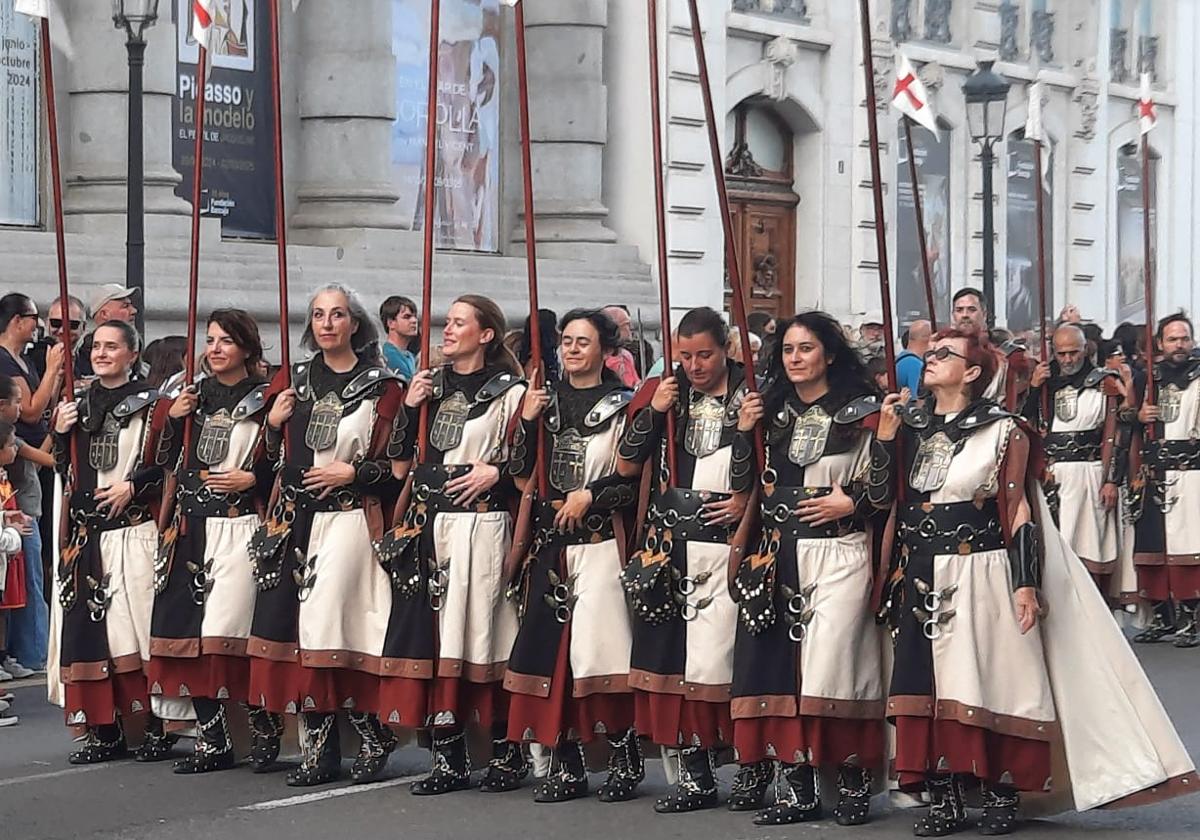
452, 627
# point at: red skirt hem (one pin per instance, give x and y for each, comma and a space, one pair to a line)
822, 741
102, 701
288, 688
1164, 583
671, 720
925, 745
209, 675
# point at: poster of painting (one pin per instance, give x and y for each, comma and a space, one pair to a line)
933, 173
18, 118
1021, 249
1131, 262
239, 163
467, 178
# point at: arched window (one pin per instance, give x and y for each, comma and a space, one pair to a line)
760, 147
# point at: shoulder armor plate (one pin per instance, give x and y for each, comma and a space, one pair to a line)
300, 372
438, 382
360, 384
553, 417
1194, 370
135, 402
982, 415
607, 406
1012, 346
1098, 375
857, 409
252, 403
173, 387
497, 385
914, 416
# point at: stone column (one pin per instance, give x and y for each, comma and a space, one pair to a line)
96, 141
347, 92
568, 119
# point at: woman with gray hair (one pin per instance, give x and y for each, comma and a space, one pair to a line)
323, 602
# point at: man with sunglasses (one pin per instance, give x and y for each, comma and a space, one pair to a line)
1166, 484
1078, 417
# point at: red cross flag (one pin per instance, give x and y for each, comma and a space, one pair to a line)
204, 14
910, 97
33, 8
1147, 109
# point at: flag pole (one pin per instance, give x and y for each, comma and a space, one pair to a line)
60, 242
664, 287
926, 269
731, 256
885, 288
1040, 213
531, 270
280, 208
1147, 276
435, 14
194, 269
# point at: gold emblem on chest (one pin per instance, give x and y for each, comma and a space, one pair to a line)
810, 434
932, 463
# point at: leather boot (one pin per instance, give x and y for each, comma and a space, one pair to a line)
697, 788
569, 780
854, 795
214, 747
1161, 626
376, 743
508, 766
1186, 633
626, 768
999, 809
266, 732
451, 764
798, 797
100, 744
321, 754
947, 809
750, 786
156, 746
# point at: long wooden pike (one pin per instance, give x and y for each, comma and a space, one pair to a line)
194, 269
60, 242
731, 256
435, 39
885, 286
1148, 277
280, 208
660, 209
926, 269
1040, 214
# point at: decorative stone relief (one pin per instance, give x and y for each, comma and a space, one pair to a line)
1087, 98
901, 20
1118, 54
884, 71
933, 76
784, 8
1009, 19
1148, 56
1041, 37
937, 20
741, 163
779, 54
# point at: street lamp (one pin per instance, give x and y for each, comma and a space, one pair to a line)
135, 17
987, 101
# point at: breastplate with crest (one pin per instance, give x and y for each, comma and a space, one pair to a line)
104, 444
323, 422
810, 434
446, 431
705, 426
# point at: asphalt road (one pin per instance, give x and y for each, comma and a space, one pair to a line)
42, 797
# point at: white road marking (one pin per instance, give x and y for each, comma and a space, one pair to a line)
306, 798
70, 771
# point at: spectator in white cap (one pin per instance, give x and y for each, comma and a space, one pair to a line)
110, 302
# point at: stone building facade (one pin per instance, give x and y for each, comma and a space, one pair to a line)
788, 80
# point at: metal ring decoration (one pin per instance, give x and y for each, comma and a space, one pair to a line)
435, 602
796, 604
689, 612
421, 491
670, 519
687, 585
289, 515
420, 518
933, 601
964, 532
561, 593
667, 545
651, 542
927, 528
797, 632
769, 476
562, 613
931, 629
303, 594
594, 522
780, 513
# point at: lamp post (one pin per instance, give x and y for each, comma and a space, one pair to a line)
987, 101
135, 17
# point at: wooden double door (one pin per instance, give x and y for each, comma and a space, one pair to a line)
764, 227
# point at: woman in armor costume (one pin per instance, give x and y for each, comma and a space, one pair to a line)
452, 627
204, 599
970, 695
320, 616
684, 616
106, 572
569, 670
808, 672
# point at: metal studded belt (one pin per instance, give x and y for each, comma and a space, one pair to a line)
342, 498
679, 509
779, 513
597, 526
1074, 446
429, 489
196, 499
1180, 455
954, 528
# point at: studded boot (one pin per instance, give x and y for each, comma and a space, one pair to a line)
376, 743
1186, 633
156, 746
451, 764
999, 809
321, 756
214, 747
569, 779
947, 809
854, 795
266, 732
750, 786
626, 767
100, 744
697, 788
798, 797
508, 766
1160, 626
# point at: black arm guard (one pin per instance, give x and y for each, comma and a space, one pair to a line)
520, 464
273, 441
880, 485
61, 449
1025, 558
146, 482
612, 492
641, 436
403, 442
371, 475
170, 443
741, 465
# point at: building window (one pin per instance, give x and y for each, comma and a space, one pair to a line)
1021, 254
1010, 20
1131, 261
760, 147
932, 153
1041, 33
794, 9
937, 21
933, 14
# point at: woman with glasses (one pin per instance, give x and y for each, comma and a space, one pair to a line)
320, 614
569, 670
807, 672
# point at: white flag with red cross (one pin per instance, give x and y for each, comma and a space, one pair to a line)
204, 16
33, 8
1147, 107
909, 95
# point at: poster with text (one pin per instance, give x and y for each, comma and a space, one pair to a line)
1131, 296
239, 165
1021, 251
933, 173
19, 76
467, 175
